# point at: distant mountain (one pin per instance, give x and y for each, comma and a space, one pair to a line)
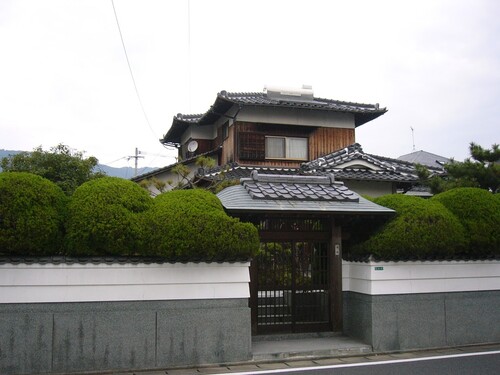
4, 153
123, 172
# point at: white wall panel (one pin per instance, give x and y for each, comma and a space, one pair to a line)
376, 278
114, 282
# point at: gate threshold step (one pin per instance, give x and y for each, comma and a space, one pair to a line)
306, 346
295, 336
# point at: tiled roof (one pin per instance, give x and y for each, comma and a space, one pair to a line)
425, 158
158, 171
343, 164
234, 171
420, 191
311, 194
297, 188
105, 260
226, 100
371, 175
262, 99
384, 169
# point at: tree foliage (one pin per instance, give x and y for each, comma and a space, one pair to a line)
104, 218
421, 229
62, 165
479, 212
481, 170
191, 224
31, 215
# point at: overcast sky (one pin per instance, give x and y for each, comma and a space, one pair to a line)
64, 77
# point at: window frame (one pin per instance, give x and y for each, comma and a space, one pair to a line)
286, 148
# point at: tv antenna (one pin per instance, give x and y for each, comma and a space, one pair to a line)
413, 137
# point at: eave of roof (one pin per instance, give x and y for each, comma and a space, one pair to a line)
226, 100
235, 171
304, 194
389, 169
169, 167
20, 259
236, 199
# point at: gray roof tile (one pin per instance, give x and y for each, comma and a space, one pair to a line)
391, 170
387, 169
318, 194
297, 188
226, 100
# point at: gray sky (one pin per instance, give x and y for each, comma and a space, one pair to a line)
64, 77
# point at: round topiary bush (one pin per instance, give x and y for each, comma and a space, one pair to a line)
31, 215
104, 218
479, 212
192, 225
421, 229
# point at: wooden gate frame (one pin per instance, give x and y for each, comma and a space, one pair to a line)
335, 265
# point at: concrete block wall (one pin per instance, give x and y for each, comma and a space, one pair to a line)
417, 321
69, 337
411, 305
97, 328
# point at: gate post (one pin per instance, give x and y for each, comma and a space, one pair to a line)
254, 297
336, 305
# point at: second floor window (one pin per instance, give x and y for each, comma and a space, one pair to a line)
286, 148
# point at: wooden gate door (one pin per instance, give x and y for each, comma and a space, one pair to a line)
291, 277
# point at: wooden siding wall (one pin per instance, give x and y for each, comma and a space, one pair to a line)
322, 141
229, 149
204, 145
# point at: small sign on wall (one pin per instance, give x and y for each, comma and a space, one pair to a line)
379, 268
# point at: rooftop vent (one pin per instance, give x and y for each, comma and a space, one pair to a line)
304, 94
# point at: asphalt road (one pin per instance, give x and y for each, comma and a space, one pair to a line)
482, 363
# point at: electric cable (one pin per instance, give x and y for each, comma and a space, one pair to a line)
130, 70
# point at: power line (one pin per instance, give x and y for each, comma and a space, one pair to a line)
114, 161
130, 70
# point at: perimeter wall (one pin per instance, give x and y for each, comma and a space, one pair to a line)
410, 305
93, 317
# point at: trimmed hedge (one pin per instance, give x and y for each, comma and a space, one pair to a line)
31, 215
421, 229
191, 224
479, 212
104, 218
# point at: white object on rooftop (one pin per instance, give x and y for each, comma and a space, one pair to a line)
304, 94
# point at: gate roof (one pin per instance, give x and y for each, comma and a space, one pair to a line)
296, 193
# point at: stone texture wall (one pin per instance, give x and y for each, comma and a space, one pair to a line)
428, 320
92, 336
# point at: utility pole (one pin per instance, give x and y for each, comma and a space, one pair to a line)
136, 157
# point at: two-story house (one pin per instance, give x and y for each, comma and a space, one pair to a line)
275, 130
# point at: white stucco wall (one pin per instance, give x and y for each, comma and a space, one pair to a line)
297, 116
378, 278
36, 283
370, 188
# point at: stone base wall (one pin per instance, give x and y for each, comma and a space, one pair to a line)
426, 320
93, 336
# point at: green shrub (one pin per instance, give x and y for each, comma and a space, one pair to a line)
479, 212
197, 199
31, 215
104, 218
191, 224
420, 229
